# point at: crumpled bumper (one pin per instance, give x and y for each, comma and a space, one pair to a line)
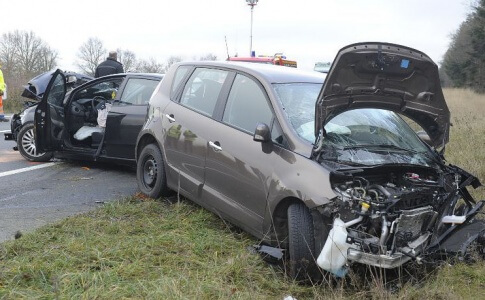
390, 261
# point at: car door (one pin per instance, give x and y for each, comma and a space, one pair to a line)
186, 124
237, 170
50, 115
127, 116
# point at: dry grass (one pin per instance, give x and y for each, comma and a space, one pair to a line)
467, 136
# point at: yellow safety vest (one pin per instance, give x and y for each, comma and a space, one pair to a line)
2, 82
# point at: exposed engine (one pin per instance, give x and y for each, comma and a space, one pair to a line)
386, 220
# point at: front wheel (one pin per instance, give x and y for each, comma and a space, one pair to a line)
26, 145
301, 244
150, 172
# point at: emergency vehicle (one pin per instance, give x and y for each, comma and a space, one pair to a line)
277, 59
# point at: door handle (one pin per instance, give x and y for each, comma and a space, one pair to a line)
216, 146
170, 118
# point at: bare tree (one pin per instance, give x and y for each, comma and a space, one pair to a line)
128, 59
90, 55
172, 60
28, 49
8, 52
150, 66
23, 55
208, 57
48, 58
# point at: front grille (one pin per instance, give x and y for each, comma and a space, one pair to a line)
413, 223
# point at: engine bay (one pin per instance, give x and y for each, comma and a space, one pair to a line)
385, 216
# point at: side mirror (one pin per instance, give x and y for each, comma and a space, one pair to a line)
262, 133
71, 79
424, 137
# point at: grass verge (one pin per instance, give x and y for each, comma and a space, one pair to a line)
142, 248
138, 249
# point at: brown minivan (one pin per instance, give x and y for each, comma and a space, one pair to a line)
326, 170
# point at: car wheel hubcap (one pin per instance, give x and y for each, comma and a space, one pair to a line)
28, 144
150, 172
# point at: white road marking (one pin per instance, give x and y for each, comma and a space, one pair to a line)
4, 131
12, 172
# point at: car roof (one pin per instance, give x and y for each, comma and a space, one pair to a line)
270, 73
144, 75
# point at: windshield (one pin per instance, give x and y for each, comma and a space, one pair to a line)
298, 101
360, 136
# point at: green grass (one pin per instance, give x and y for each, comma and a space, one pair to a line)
139, 249
145, 248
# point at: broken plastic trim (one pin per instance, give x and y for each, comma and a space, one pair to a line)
273, 252
450, 231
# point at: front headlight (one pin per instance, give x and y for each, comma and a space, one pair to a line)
22, 116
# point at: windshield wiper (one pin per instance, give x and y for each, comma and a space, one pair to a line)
379, 147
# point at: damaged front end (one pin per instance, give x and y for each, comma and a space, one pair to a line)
396, 200
385, 216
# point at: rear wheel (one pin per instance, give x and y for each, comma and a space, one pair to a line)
26, 145
150, 172
301, 244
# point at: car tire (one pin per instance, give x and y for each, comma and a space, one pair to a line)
301, 244
150, 172
26, 145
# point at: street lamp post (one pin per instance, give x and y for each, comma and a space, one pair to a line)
251, 3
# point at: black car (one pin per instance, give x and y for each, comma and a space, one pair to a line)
22, 123
98, 120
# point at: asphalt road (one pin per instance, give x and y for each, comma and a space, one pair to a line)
35, 194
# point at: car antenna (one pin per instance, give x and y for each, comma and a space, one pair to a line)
227, 49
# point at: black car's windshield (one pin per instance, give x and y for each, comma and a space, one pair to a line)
360, 136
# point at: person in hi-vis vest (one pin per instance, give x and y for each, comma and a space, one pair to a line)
3, 89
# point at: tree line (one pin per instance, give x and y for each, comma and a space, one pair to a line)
24, 55
463, 64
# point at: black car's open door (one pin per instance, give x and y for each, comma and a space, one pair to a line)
49, 115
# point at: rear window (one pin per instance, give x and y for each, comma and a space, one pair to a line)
202, 90
177, 79
138, 91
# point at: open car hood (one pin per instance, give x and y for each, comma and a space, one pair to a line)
385, 76
36, 87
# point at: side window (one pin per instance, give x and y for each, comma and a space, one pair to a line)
138, 91
247, 105
106, 89
177, 79
203, 89
277, 134
57, 91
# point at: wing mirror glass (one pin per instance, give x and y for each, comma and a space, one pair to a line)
71, 79
262, 133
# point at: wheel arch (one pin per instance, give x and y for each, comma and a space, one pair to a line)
26, 153
144, 140
278, 226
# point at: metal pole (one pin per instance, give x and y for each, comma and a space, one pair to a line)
251, 3
251, 36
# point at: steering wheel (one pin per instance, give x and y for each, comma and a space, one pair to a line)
99, 100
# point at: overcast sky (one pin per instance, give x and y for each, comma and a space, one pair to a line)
305, 30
